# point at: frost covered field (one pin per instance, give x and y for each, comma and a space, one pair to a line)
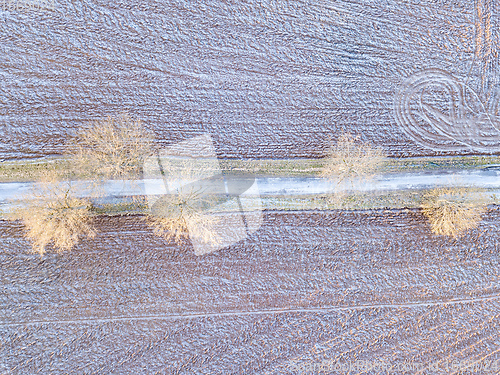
307, 287
262, 79
265, 79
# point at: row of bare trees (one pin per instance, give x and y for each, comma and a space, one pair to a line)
450, 211
60, 207
55, 213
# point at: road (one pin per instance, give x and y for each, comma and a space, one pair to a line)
290, 186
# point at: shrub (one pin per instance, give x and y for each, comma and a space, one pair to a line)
453, 211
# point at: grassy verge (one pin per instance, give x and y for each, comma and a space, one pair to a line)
313, 167
21, 171
394, 199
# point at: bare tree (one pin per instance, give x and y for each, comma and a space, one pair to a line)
349, 158
350, 161
184, 211
111, 148
52, 214
180, 216
453, 211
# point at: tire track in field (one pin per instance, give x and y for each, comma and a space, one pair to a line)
260, 312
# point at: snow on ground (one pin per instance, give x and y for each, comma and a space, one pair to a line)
307, 287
